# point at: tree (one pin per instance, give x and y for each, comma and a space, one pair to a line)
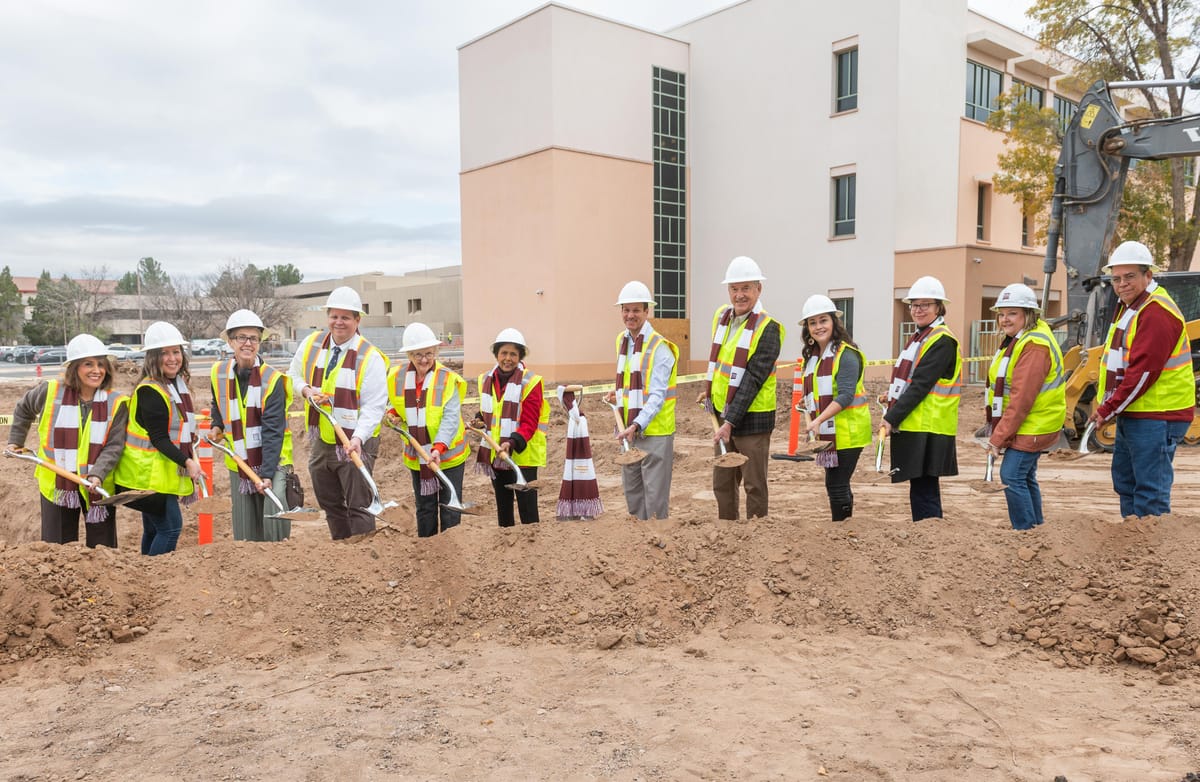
12, 311
1136, 40
154, 279
285, 274
180, 306
241, 286
64, 308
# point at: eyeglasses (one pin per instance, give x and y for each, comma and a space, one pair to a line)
246, 339
1126, 278
922, 305
425, 355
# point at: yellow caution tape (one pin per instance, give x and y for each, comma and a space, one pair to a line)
5, 420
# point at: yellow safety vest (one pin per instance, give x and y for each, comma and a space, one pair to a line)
937, 413
311, 348
439, 384
1049, 410
1175, 388
664, 421
765, 399
852, 425
271, 379
143, 466
534, 454
54, 400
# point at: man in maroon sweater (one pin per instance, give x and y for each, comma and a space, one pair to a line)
1146, 383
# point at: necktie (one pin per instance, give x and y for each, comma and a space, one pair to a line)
333, 358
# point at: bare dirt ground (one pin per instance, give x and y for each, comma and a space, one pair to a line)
782, 648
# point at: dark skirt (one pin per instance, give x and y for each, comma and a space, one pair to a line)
918, 454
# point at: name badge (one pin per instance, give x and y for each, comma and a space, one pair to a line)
347, 420
254, 438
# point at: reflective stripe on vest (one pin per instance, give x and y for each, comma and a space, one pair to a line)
142, 466
270, 378
535, 451
937, 413
1175, 388
440, 382
1049, 410
852, 424
764, 400
312, 349
663, 422
54, 396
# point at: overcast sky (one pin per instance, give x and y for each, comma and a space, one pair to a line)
316, 133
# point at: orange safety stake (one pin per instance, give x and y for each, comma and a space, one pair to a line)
205, 453
797, 412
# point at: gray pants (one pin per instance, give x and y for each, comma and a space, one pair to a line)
752, 475
648, 483
254, 515
341, 490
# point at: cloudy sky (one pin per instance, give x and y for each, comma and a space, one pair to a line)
308, 132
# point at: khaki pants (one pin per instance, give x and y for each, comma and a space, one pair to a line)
341, 490
752, 474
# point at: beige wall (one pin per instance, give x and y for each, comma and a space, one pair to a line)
575, 227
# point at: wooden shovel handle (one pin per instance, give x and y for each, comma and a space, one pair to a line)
246, 469
487, 438
341, 436
617, 415
420, 449
54, 468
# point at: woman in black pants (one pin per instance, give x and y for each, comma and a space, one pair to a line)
922, 416
832, 375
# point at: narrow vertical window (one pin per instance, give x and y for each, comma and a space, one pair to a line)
843, 204
984, 85
846, 306
983, 210
1065, 110
668, 109
846, 82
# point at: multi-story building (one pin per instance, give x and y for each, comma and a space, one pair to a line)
831, 143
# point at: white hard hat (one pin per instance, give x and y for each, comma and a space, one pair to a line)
1134, 253
635, 292
162, 335
244, 319
926, 288
417, 336
816, 305
344, 298
742, 269
509, 335
1017, 295
86, 346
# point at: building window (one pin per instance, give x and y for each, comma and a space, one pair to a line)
845, 95
843, 204
670, 194
983, 212
1189, 172
846, 306
366, 308
414, 306
1027, 93
1065, 110
983, 88
1025, 231
387, 308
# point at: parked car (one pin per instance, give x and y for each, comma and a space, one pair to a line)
26, 353
121, 352
11, 352
51, 356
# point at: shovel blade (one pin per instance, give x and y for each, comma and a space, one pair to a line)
526, 486
813, 446
124, 497
466, 509
730, 460
987, 487
299, 514
206, 505
632, 456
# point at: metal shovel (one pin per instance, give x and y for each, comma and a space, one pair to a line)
207, 502
810, 444
105, 497
521, 484
628, 454
726, 458
988, 485
294, 514
377, 506
466, 508
1067, 455
880, 473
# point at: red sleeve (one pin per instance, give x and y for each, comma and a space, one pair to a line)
1157, 333
531, 411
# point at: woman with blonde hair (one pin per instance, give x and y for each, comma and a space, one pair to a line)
81, 428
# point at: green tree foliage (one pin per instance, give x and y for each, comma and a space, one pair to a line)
155, 280
1137, 40
285, 274
64, 307
1026, 166
12, 312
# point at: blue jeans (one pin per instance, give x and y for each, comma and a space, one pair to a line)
1142, 471
1018, 473
160, 533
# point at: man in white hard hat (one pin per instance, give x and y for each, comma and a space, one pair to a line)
339, 368
1146, 383
741, 385
645, 393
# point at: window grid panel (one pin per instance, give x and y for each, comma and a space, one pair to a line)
847, 81
846, 306
670, 194
844, 198
1031, 94
1065, 110
984, 86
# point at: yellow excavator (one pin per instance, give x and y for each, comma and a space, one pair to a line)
1097, 149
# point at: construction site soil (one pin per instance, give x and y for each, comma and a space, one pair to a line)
787, 647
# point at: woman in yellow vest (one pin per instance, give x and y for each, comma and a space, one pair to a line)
81, 428
1026, 400
832, 369
514, 410
160, 440
427, 399
922, 402
251, 399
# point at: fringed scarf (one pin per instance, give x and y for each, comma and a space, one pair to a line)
740, 356
181, 397
414, 419
579, 493
995, 410
65, 442
1115, 360
902, 371
635, 394
486, 461
818, 394
246, 435
345, 392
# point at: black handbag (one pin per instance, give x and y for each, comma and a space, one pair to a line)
293, 491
